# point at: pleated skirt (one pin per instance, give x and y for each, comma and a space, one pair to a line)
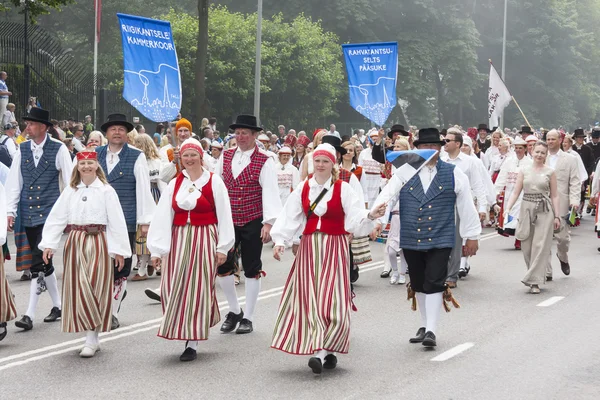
87, 283
8, 310
314, 312
189, 300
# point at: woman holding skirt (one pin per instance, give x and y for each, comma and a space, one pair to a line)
8, 311
194, 226
314, 313
90, 207
537, 217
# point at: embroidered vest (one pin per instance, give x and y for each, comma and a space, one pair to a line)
203, 214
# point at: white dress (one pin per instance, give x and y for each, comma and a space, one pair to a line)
371, 177
288, 177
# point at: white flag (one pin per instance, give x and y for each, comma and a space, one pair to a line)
498, 97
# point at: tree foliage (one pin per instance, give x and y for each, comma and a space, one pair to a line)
35, 8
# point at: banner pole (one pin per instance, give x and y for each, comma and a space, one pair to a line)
523, 114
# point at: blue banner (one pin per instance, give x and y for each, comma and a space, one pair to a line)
151, 70
372, 72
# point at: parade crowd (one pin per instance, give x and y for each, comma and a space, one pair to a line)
196, 208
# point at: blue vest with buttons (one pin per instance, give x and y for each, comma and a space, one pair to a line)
122, 179
427, 219
40, 188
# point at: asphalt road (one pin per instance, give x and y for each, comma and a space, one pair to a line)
503, 343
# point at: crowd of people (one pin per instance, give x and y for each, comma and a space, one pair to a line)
197, 209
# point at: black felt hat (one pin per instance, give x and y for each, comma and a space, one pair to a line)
397, 128
336, 142
578, 133
117, 119
483, 127
246, 121
429, 136
37, 114
526, 129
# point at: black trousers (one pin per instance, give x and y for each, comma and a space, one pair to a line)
428, 269
248, 239
34, 237
127, 268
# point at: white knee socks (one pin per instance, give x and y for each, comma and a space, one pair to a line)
52, 285
227, 285
252, 291
33, 299
392, 257
192, 344
433, 304
118, 293
91, 338
321, 355
421, 305
143, 264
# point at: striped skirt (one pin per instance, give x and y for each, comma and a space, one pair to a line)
87, 283
22, 245
314, 312
189, 300
8, 311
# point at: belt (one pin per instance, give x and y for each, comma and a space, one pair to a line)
395, 213
372, 173
89, 229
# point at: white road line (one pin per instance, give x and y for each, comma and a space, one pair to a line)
551, 301
453, 352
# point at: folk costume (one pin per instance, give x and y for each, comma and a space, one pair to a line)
251, 180
8, 310
288, 176
427, 230
98, 232
486, 143
168, 168
127, 172
371, 169
32, 187
314, 312
587, 156
192, 223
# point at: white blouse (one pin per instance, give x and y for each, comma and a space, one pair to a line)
291, 220
3, 214
96, 204
159, 234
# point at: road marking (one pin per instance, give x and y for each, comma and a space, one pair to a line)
453, 352
551, 301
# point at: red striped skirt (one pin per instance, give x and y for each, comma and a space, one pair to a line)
87, 283
189, 300
8, 311
314, 312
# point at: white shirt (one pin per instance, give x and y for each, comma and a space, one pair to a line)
468, 166
552, 160
288, 178
470, 226
291, 220
7, 118
88, 205
368, 164
14, 183
10, 144
3, 214
78, 145
267, 180
159, 234
144, 202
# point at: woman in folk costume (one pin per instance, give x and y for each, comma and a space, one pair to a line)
193, 225
147, 146
90, 206
371, 180
538, 218
307, 166
288, 176
505, 185
350, 160
314, 313
301, 151
8, 311
498, 159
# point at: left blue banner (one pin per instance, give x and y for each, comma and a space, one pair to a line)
372, 72
152, 83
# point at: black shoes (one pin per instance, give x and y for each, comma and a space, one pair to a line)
26, 276
330, 361
152, 294
429, 340
24, 323
565, 267
548, 279
245, 326
384, 274
4, 331
354, 274
188, 355
316, 365
55, 314
231, 321
114, 323
420, 336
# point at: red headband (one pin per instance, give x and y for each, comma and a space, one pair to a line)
192, 146
87, 155
324, 153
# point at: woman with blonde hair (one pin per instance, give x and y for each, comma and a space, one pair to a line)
96, 139
307, 166
91, 208
131, 135
147, 146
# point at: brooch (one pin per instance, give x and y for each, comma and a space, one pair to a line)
191, 190
84, 198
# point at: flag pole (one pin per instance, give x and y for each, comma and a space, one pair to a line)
504, 57
523, 114
96, 38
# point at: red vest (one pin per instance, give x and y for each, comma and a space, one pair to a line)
203, 214
332, 222
245, 192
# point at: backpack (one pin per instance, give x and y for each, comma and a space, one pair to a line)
5, 157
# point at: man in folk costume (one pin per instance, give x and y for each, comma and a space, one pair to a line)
595, 146
169, 154
569, 192
379, 149
505, 184
126, 170
587, 156
525, 132
371, 179
483, 141
33, 186
251, 180
288, 176
457, 266
428, 202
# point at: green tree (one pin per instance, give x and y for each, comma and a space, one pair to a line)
34, 8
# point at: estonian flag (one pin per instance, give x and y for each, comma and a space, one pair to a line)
408, 163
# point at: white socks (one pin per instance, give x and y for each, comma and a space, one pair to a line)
33, 299
52, 285
392, 258
421, 305
227, 285
433, 305
252, 290
192, 344
120, 289
91, 338
464, 263
143, 264
321, 355
386, 264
